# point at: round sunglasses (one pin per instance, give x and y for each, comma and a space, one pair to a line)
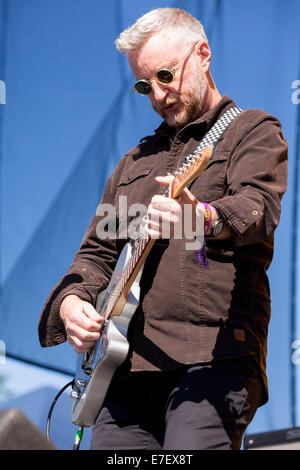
165, 75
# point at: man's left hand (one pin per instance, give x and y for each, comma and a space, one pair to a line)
174, 218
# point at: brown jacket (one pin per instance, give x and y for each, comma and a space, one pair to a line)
187, 313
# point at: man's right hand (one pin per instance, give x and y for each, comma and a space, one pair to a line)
82, 323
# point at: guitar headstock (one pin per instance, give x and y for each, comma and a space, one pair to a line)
189, 171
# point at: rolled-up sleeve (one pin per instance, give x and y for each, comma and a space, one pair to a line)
257, 180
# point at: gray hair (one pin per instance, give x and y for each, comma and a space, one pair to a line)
182, 25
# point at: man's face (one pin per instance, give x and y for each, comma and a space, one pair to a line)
180, 101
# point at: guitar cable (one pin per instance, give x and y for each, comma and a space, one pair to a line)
79, 432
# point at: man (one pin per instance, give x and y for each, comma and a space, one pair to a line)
195, 373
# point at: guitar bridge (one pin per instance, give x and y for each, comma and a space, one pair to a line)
87, 362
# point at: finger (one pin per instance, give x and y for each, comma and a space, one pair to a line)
154, 211
79, 346
154, 230
158, 218
157, 199
91, 313
83, 335
164, 204
153, 224
164, 180
164, 226
154, 234
80, 319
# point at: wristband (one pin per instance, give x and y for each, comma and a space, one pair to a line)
207, 217
201, 255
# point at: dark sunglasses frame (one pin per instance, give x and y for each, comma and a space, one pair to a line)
163, 76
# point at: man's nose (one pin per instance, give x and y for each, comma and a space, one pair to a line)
159, 90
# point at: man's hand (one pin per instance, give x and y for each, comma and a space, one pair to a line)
169, 218
82, 323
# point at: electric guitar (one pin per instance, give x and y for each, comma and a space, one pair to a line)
117, 304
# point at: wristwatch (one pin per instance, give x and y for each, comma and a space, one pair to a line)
217, 226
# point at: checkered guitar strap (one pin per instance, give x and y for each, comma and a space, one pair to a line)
213, 135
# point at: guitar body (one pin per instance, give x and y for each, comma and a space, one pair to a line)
96, 369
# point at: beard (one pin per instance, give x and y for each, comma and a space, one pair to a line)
189, 104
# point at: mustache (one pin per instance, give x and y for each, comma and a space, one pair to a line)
168, 101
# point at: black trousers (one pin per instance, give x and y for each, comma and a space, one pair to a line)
201, 407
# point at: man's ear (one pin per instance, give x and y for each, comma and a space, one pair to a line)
204, 54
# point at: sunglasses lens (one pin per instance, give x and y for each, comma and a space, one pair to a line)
143, 87
164, 76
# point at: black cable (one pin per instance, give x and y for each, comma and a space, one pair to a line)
52, 407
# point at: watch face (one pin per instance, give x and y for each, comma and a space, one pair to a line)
218, 228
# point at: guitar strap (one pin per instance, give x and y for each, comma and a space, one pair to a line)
215, 133
209, 140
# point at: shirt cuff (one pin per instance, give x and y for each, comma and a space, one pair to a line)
243, 218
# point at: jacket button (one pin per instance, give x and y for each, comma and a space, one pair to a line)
254, 212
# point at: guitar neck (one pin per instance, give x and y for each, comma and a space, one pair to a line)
141, 250
142, 246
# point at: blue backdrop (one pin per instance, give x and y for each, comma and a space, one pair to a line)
69, 117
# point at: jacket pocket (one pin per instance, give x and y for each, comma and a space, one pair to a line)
211, 184
133, 173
